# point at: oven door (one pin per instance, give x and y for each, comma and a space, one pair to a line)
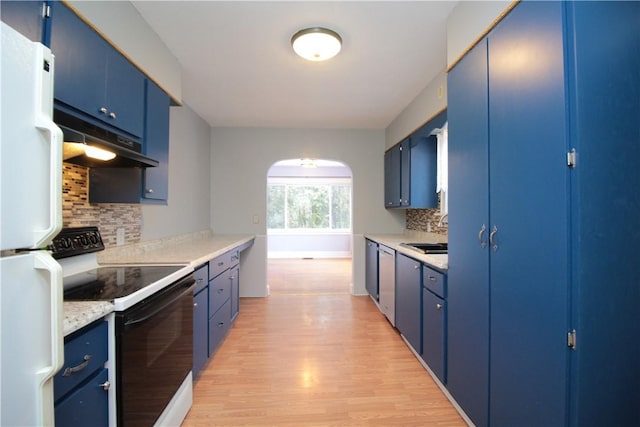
154, 352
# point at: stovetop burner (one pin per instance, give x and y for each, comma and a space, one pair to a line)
110, 283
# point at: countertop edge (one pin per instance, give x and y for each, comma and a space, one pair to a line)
190, 251
393, 241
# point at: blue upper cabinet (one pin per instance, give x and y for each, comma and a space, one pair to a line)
156, 144
411, 169
392, 160
92, 77
26, 17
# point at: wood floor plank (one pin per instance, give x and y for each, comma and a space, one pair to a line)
328, 359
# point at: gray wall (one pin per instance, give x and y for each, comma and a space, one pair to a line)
188, 209
240, 160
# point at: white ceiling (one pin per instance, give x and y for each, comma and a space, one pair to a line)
238, 68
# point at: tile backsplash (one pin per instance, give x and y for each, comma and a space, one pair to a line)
78, 212
425, 220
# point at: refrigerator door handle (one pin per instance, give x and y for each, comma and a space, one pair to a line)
44, 122
44, 261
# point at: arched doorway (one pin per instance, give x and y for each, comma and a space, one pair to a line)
309, 226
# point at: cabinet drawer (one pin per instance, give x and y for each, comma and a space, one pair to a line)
84, 354
87, 406
219, 292
219, 264
201, 276
219, 324
434, 281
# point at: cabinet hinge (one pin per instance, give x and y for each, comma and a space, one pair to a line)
571, 339
571, 158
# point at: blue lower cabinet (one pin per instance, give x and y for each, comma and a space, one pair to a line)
200, 330
408, 296
81, 387
86, 406
434, 311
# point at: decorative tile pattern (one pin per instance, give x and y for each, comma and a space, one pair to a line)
425, 220
78, 212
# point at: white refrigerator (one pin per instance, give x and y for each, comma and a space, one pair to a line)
31, 341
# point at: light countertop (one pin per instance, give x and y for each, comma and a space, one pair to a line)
194, 250
78, 314
439, 261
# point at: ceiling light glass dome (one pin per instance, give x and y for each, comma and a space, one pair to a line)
316, 44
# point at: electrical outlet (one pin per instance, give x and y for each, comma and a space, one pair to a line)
256, 219
120, 237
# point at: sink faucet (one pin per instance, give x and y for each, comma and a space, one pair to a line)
442, 220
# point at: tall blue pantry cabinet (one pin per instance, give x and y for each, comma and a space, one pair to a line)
544, 138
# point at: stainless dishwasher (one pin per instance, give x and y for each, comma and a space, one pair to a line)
387, 277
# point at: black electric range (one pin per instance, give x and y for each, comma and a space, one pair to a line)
124, 285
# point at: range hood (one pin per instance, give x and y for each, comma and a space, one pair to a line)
81, 138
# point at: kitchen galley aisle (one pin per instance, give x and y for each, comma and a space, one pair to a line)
306, 359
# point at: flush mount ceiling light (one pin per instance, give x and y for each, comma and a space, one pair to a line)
316, 43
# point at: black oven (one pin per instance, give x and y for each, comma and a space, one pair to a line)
154, 345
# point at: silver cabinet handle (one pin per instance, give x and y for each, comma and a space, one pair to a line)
432, 278
103, 110
112, 115
199, 280
483, 229
494, 246
439, 306
80, 367
150, 191
105, 385
416, 266
195, 304
220, 291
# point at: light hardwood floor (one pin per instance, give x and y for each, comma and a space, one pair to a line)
313, 355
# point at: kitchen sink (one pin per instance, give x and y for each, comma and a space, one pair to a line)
428, 248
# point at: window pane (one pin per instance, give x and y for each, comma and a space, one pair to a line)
275, 206
341, 207
308, 206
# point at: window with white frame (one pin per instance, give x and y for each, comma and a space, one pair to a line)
309, 204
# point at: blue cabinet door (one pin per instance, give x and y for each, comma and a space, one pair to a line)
605, 385
156, 144
371, 268
26, 17
92, 77
468, 273
200, 330
409, 299
86, 406
234, 278
124, 95
433, 333
405, 173
392, 177
80, 61
528, 218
